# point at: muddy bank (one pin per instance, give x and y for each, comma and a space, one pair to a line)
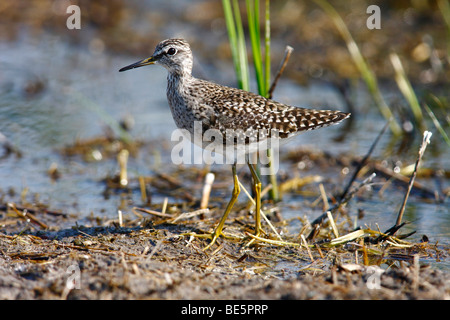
154, 262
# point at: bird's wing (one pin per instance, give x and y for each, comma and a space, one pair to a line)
235, 108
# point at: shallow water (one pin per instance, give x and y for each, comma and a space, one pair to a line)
81, 86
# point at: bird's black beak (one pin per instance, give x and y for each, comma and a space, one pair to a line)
138, 64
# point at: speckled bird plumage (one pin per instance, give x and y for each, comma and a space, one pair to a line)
220, 107
228, 111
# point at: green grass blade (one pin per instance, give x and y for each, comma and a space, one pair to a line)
366, 73
253, 28
437, 124
238, 49
241, 47
442, 105
267, 48
231, 30
237, 42
405, 87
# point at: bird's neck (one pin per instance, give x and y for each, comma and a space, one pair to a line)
177, 80
178, 85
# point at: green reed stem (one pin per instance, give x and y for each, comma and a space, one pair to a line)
255, 40
236, 38
267, 48
239, 55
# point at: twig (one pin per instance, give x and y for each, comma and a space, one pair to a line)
388, 172
423, 146
171, 180
274, 191
287, 54
152, 212
320, 251
187, 215
25, 215
155, 248
4, 207
307, 248
363, 162
319, 220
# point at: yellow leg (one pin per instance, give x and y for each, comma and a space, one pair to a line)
236, 190
257, 188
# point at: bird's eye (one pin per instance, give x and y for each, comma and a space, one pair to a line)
171, 51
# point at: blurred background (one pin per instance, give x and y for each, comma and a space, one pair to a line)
61, 94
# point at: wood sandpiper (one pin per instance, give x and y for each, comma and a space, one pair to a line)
224, 108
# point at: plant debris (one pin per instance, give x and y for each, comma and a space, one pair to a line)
152, 256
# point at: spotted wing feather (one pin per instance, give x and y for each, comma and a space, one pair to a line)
239, 109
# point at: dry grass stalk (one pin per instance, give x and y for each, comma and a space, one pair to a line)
27, 216
187, 215
119, 212
406, 88
333, 225
209, 179
423, 146
143, 189
152, 212
320, 251
307, 248
274, 242
164, 207
122, 158
297, 182
287, 54
323, 194
365, 256
352, 236
319, 220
